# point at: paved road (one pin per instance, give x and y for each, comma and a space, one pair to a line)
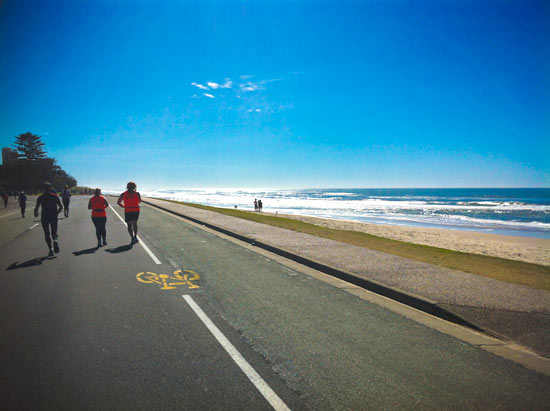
80, 331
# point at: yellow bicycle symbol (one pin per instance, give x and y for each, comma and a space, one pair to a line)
180, 277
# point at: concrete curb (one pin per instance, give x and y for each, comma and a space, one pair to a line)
412, 300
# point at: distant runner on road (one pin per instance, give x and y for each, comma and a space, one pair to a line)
98, 204
131, 199
22, 203
66, 196
5, 197
51, 207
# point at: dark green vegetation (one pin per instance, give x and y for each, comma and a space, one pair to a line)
29, 167
532, 275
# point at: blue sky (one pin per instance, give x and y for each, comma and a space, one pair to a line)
179, 94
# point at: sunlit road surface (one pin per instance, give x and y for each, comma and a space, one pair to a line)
193, 321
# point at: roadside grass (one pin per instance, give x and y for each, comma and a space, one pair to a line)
532, 275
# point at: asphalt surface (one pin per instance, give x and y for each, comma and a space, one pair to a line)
80, 331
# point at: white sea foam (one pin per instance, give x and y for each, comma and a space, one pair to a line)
287, 199
402, 210
341, 194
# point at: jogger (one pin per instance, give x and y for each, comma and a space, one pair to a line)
98, 204
22, 203
66, 196
51, 207
131, 199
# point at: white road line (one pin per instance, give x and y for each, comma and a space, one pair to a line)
153, 256
33, 226
252, 375
5, 215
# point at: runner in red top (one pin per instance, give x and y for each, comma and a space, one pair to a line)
131, 199
98, 204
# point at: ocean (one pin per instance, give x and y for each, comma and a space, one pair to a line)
506, 211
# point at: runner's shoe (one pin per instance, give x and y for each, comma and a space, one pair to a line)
104, 242
136, 240
50, 254
56, 246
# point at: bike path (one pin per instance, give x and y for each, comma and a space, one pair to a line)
338, 350
79, 331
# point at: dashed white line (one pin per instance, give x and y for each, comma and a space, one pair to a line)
33, 226
147, 249
5, 215
252, 375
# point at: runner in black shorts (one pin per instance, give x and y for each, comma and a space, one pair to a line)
51, 207
130, 200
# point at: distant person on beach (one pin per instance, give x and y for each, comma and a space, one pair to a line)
5, 197
51, 207
260, 205
66, 197
22, 203
131, 199
98, 204
255, 204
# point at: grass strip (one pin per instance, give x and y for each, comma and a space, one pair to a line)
518, 272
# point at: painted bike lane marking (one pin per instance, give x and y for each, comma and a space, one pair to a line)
180, 277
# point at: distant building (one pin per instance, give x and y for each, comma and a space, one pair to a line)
8, 156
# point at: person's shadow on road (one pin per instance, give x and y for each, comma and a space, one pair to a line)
86, 251
120, 249
29, 263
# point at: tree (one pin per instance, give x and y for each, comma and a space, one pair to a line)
30, 148
30, 152
33, 167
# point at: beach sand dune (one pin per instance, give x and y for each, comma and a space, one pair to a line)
531, 250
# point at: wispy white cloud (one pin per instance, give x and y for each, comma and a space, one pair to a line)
250, 86
255, 85
248, 90
228, 83
199, 86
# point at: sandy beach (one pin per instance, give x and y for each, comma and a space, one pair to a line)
531, 250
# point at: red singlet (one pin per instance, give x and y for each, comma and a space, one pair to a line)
98, 206
131, 202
